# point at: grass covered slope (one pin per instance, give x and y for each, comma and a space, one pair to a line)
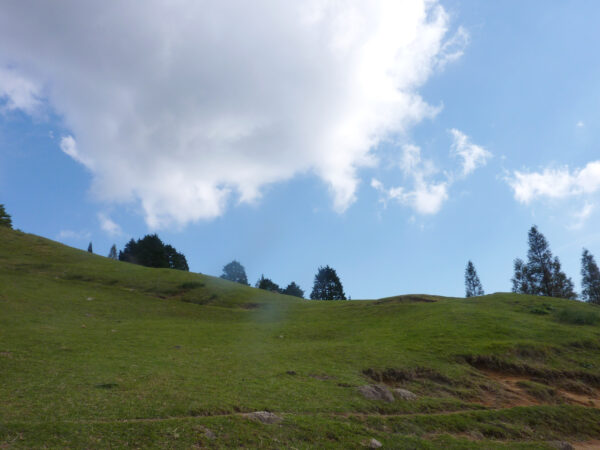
99, 353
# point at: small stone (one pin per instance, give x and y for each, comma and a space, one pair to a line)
376, 392
209, 434
372, 443
264, 417
404, 394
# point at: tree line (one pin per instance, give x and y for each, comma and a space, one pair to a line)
542, 274
326, 286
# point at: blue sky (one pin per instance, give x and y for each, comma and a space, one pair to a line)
393, 141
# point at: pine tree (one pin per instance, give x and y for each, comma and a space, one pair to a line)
472, 284
562, 286
5, 220
90, 248
267, 284
293, 289
542, 275
590, 278
234, 271
112, 254
327, 285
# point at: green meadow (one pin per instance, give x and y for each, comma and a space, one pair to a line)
96, 353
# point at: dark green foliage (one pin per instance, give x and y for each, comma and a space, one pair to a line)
293, 289
577, 317
90, 248
150, 251
112, 254
235, 272
590, 278
327, 285
542, 274
267, 284
5, 220
472, 284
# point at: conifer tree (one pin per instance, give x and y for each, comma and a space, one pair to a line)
90, 248
293, 289
112, 254
542, 274
590, 278
267, 284
5, 220
327, 285
472, 284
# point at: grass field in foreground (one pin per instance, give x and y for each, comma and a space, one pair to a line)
99, 353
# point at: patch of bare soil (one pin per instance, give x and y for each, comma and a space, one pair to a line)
512, 391
586, 445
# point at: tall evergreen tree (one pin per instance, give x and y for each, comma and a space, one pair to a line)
542, 275
234, 271
5, 219
590, 278
90, 248
472, 284
327, 285
267, 284
112, 254
293, 289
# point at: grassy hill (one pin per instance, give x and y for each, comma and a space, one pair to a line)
98, 353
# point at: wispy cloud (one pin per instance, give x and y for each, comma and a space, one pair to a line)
473, 156
109, 226
428, 191
424, 196
17, 91
71, 235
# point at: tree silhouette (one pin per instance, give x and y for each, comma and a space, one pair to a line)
267, 284
293, 289
542, 274
90, 248
590, 278
5, 220
112, 254
234, 271
150, 251
472, 284
327, 285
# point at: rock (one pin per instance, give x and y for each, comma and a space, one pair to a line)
372, 443
264, 417
209, 434
376, 392
404, 394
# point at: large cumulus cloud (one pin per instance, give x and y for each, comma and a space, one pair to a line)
186, 106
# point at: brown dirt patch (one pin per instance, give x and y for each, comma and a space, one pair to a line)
586, 445
512, 391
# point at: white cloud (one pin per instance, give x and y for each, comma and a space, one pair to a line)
425, 196
17, 91
473, 156
580, 124
182, 105
108, 225
555, 183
